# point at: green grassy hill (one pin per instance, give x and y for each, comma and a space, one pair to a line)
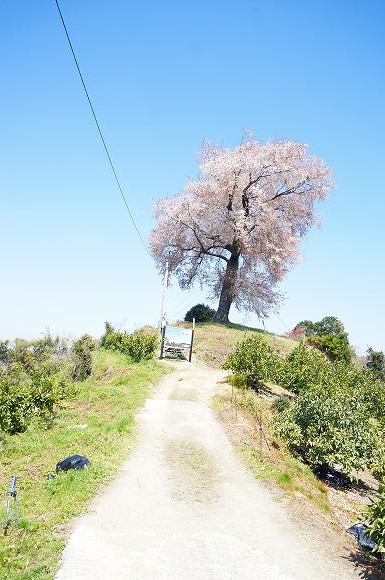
213, 342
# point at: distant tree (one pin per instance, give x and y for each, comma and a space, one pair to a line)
375, 362
329, 325
237, 227
201, 313
297, 332
308, 327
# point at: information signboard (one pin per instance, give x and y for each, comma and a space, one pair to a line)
176, 340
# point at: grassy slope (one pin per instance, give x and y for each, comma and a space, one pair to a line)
213, 342
106, 403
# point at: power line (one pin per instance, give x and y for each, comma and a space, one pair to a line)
185, 303
98, 127
283, 322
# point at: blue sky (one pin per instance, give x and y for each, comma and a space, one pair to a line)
164, 76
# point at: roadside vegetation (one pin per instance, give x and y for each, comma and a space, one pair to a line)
323, 415
50, 416
268, 461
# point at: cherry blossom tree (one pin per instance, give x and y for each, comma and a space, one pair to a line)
236, 228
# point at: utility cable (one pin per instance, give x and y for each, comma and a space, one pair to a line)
98, 127
283, 322
185, 303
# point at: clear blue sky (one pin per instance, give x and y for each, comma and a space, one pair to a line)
164, 76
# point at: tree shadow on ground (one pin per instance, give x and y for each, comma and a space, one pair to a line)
335, 478
368, 567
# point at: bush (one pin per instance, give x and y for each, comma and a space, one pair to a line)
141, 346
138, 346
281, 403
32, 381
108, 330
335, 346
31, 354
376, 520
254, 361
338, 416
332, 424
302, 368
4, 352
375, 362
201, 313
24, 397
82, 354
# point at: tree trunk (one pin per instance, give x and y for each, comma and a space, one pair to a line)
227, 292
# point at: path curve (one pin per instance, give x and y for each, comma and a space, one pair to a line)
184, 507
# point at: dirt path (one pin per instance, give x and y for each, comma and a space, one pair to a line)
185, 508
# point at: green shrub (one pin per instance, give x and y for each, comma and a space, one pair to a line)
376, 520
138, 346
82, 355
141, 346
201, 313
335, 346
302, 368
32, 380
254, 361
26, 396
375, 362
338, 416
332, 424
281, 403
31, 354
105, 338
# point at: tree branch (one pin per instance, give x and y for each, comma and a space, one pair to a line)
289, 191
231, 195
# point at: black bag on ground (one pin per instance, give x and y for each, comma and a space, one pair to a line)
72, 462
362, 537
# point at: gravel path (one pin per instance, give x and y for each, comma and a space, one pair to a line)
184, 507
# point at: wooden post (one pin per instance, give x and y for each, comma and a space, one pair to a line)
192, 341
162, 342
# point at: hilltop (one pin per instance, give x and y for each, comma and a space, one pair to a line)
213, 342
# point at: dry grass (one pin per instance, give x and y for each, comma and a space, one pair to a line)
213, 342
